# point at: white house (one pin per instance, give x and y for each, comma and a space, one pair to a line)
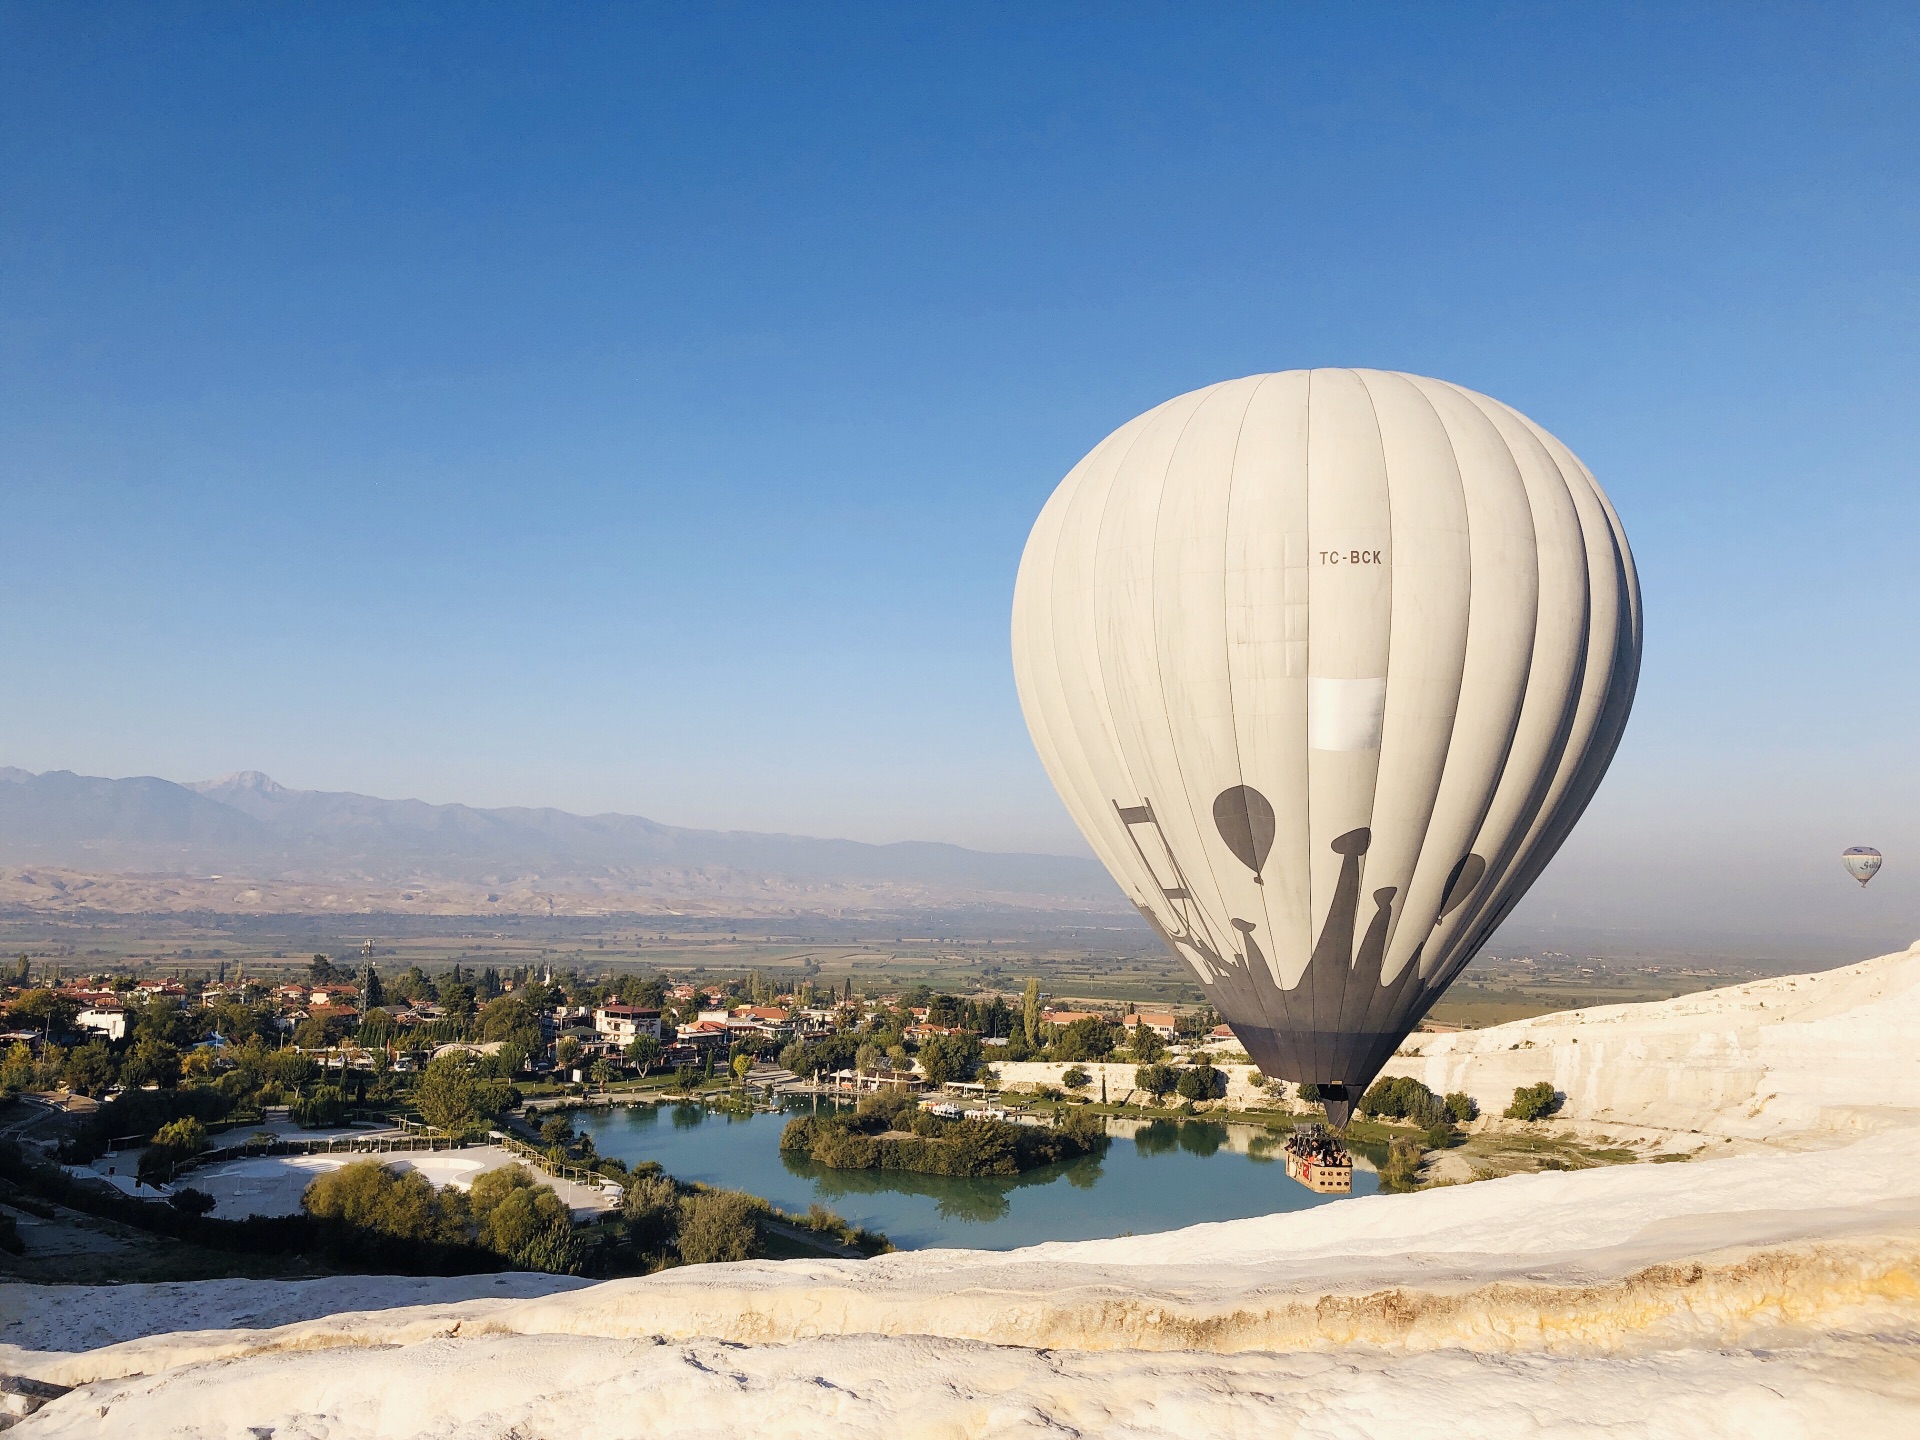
110, 1023
623, 1024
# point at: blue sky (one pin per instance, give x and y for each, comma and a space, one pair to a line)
643, 408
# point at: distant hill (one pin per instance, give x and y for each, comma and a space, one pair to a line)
247, 824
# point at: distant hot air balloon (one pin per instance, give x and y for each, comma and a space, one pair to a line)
1326, 664
1863, 863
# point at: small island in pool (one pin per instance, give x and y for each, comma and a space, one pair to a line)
892, 1132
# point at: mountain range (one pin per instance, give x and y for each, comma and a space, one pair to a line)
248, 827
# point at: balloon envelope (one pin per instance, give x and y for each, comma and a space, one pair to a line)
1326, 664
1862, 861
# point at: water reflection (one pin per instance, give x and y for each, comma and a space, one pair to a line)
1154, 1183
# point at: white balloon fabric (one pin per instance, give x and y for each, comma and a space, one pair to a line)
1862, 861
1326, 664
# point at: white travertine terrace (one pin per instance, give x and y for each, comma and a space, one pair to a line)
1775, 1291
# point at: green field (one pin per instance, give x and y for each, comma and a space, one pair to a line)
1105, 965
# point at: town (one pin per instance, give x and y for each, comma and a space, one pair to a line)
153, 1101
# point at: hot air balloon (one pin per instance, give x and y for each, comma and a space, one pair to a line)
1325, 665
1863, 863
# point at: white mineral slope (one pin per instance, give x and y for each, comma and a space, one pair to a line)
1773, 1292
88, 1317
1799, 1060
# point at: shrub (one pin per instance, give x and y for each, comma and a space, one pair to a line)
191, 1202
885, 1108
332, 1241
1083, 1128
327, 1105
369, 1196
16, 1070
651, 1208
525, 1221
719, 1226
1400, 1097
1532, 1102
1074, 1077
174, 1144
1402, 1170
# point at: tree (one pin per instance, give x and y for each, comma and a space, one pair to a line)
1087, 1039
557, 1131
161, 1018
686, 1079
89, 1069
151, 1062
372, 992
509, 1018
321, 970
1030, 1014
1157, 1080
174, 1143
602, 1072
719, 1226
16, 1070
741, 1065
1075, 1078
446, 1095
47, 1011
1533, 1102
1146, 1044
1462, 1107
316, 1032
644, 1053
567, 1052
1200, 1082
950, 1057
